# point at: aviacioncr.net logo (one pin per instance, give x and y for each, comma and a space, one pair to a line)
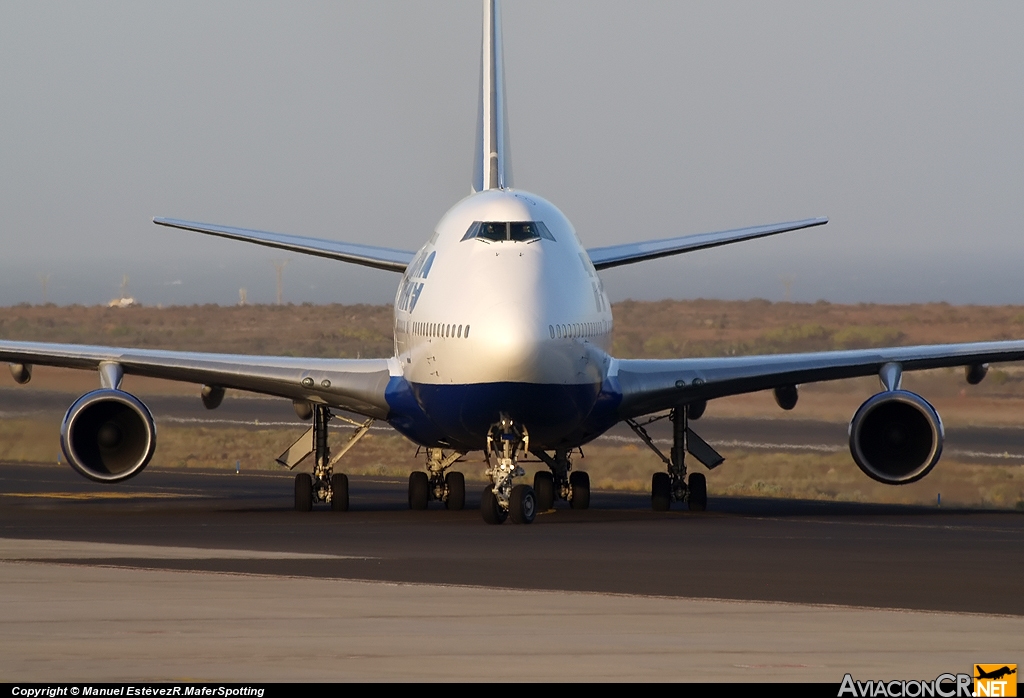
995, 680
942, 686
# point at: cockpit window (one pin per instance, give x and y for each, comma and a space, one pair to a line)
519, 231
493, 231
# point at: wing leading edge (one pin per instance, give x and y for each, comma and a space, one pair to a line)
651, 385
617, 255
357, 385
366, 255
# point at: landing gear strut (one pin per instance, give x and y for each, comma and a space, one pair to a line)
505, 441
449, 488
561, 482
673, 485
323, 485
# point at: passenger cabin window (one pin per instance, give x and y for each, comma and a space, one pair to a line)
523, 231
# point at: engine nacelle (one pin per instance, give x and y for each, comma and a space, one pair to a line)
695, 410
896, 437
108, 435
786, 396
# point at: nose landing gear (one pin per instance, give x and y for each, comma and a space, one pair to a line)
506, 440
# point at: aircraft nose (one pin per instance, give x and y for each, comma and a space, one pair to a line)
510, 342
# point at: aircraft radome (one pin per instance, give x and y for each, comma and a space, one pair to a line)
519, 366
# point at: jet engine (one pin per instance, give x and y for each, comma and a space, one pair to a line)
896, 437
108, 435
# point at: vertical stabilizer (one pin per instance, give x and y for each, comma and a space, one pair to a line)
493, 167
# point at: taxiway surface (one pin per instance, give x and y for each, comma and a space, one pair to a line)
211, 575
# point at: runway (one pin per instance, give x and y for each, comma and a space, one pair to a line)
766, 588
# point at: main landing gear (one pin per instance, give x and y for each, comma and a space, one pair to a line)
672, 485
435, 484
561, 482
323, 485
502, 500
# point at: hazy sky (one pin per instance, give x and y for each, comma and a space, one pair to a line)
901, 121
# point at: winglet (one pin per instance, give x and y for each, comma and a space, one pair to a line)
493, 166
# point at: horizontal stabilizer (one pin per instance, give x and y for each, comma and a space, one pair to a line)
366, 255
617, 255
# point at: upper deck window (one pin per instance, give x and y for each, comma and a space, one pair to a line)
519, 231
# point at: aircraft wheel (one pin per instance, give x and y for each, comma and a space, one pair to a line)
544, 490
419, 490
489, 507
697, 498
522, 504
579, 481
303, 492
456, 485
661, 492
339, 492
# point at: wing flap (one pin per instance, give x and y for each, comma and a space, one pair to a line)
651, 385
356, 385
365, 255
617, 255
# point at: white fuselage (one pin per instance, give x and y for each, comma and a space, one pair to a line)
489, 311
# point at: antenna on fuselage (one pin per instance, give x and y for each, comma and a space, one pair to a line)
493, 165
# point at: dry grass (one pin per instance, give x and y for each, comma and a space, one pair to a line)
660, 329
288, 330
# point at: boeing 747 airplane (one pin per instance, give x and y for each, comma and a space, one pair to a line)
502, 337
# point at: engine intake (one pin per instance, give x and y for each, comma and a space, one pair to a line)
896, 437
108, 435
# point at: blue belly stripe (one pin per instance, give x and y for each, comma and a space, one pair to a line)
458, 416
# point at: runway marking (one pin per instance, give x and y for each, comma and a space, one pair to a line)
879, 524
42, 549
244, 422
820, 448
982, 454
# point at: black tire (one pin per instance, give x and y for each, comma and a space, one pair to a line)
697, 492
490, 509
419, 490
303, 492
580, 484
522, 505
544, 490
456, 485
661, 492
339, 492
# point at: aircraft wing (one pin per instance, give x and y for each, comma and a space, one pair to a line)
617, 255
356, 385
366, 255
651, 385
